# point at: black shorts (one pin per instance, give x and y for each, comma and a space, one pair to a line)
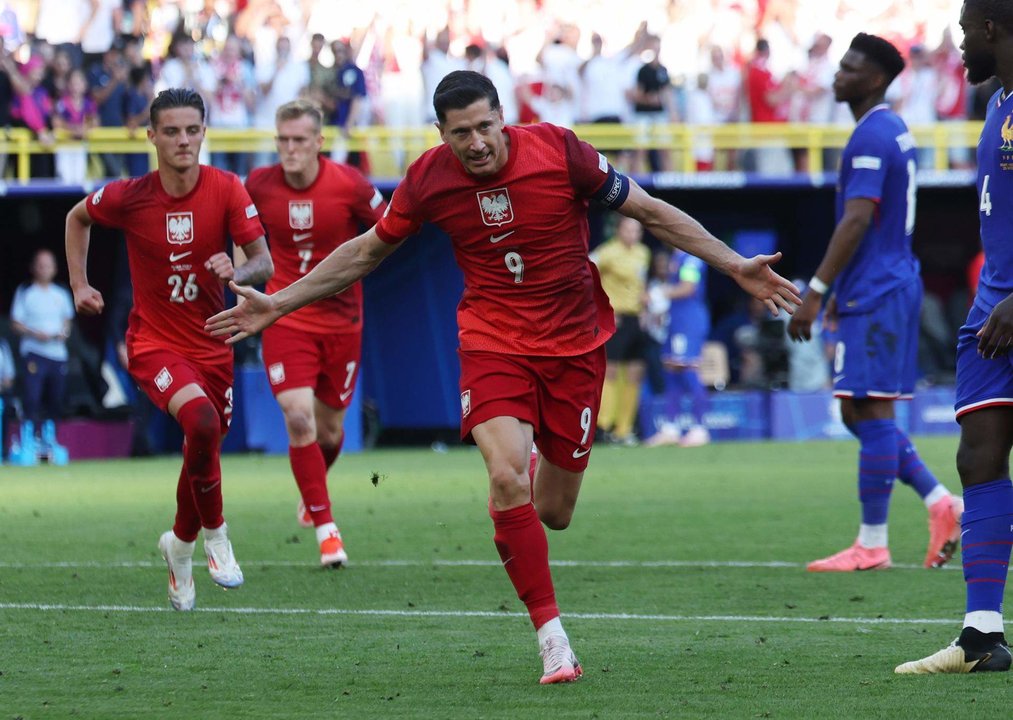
629, 342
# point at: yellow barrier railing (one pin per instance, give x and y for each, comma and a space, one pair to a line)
391, 149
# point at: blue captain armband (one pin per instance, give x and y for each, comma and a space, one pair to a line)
612, 193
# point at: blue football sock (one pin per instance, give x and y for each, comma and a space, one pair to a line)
912, 470
697, 394
674, 391
986, 541
877, 468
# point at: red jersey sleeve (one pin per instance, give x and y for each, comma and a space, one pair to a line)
588, 168
401, 218
105, 205
369, 205
244, 220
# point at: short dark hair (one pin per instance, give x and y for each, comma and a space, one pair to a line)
881, 52
998, 11
175, 98
460, 89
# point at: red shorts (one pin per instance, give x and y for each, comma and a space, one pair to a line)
328, 363
558, 396
163, 373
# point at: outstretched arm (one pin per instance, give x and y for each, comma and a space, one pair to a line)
348, 263
674, 227
858, 214
87, 300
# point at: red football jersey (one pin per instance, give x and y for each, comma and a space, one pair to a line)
520, 238
168, 241
304, 226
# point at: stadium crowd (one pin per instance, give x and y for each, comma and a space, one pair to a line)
78, 64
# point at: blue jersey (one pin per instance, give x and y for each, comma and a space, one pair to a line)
689, 315
995, 203
879, 164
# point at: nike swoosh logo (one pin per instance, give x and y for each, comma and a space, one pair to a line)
578, 453
299, 237
344, 395
209, 488
173, 257
497, 238
317, 508
838, 378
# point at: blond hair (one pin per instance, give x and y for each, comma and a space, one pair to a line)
299, 108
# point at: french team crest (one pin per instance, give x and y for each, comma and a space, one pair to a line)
300, 214
465, 403
179, 228
495, 206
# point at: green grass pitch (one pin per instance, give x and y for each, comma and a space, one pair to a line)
681, 581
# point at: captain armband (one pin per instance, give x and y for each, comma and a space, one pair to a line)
612, 193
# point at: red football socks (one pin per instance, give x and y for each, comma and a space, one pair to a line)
202, 437
331, 452
311, 477
523, 548
187, 523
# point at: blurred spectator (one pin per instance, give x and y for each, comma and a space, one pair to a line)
724, 86
233, 101
700, 110
763, 348
351, 106
655, 318
209, 26
138, 102
76, 114
768, 103
41, 314
604, 84
487, 62
10, 28
278, 81
554, 104
623, 263
8, 70
653, 103
185, 69
809, 362
58, 74
321, 85
32, 108
100, 28
951, 94
108, 80
913, 94
437, 62
61, 24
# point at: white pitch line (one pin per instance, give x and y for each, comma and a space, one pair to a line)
46, 607
640, 564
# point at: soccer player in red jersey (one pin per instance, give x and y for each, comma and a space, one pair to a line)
309, 206
533, 319
177, 221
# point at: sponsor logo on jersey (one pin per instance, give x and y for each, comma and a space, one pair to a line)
374, 202
97, 197
603, 163
163, 380
495, 206
276, 373
465, 403
866, 162
300, 214
179, 228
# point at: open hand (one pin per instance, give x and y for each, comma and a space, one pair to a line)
245, 319
759, 280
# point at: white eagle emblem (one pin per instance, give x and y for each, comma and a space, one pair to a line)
465, 403
496, 207
179, 228
300, 214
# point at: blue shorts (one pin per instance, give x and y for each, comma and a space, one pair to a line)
687, 332
980, 382
877, 351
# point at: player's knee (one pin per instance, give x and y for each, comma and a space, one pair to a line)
508, 485
979, 462
555, 518
202, 426
301, 428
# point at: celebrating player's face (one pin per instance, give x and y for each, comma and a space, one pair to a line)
476, 136
177, 137
299, 142
978, 59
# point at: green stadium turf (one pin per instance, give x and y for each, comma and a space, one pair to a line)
682, 576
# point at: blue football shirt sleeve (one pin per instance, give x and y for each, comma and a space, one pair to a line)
865, 173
